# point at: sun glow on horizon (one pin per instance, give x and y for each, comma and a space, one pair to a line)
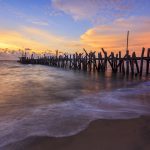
5, 45
68, 27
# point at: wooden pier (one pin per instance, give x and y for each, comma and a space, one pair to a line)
129, 64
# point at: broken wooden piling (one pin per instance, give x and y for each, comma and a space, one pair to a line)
90, 62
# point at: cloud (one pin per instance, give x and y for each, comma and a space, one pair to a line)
51, 40
93, 9
113, 37
41, 23
36, 39
14, 40
23, 16
110, 37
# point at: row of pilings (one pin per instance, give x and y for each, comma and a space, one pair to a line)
127, 64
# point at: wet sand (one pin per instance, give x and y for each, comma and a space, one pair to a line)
130, 134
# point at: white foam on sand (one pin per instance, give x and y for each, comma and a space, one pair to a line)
70, 117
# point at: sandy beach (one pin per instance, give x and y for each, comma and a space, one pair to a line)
130, 134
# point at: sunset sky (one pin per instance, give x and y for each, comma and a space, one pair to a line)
71, 25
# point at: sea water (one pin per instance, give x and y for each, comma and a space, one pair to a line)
38, 100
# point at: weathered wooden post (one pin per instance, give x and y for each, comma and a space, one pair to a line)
132, 64
101, 62
70, 62
94, 62
120, 61
115, 65
148, 61
127, 62
105, 60
80, 61
141, 65
112, 61
89, 62
128, 40
136, 63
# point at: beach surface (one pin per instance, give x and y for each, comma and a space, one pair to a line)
127, 134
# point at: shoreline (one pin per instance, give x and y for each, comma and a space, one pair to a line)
102, 134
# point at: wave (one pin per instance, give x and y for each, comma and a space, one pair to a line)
70, 117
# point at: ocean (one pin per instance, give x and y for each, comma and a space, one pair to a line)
38, 100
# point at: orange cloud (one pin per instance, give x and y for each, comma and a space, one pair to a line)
5, 45
13, 39
36, 39
51, 40
113, 37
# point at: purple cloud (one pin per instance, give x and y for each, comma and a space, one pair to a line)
93, 9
